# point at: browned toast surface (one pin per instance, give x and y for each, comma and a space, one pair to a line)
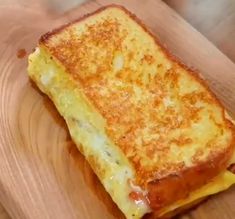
161, 115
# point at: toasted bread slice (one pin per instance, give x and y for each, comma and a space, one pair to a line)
150, 128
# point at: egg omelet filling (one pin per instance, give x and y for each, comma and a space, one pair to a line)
86, 127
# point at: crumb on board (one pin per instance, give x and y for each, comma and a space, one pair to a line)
21, 53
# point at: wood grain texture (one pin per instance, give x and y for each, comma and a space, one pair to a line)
3, 213
214, 19
42, 174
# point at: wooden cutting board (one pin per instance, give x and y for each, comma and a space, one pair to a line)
42, 174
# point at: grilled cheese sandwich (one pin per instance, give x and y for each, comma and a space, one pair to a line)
150, 128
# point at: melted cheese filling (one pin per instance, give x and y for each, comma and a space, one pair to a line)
86, 127
219, 183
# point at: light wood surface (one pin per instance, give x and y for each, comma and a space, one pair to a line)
3, 213
42, 174
214, 19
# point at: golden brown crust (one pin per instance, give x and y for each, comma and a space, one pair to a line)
232, 168
195, 73
46, 36
175, 187
166, 190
